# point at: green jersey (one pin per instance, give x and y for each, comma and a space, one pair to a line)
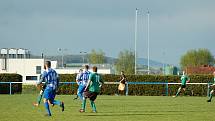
95, 79
184, 80
214, 80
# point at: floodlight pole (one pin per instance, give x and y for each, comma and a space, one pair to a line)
148, 39
135, 43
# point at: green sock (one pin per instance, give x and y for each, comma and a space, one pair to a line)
39, 98
83, 104
93, 105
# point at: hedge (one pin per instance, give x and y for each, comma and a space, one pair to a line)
149, 90
5, 88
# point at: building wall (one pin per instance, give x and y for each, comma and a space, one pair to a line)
24, 67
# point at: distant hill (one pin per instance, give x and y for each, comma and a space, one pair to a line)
109, 60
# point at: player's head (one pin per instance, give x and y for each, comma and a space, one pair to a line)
214, 73
86, 67
95, 69
183, 73
47, 64
122, 72
80, 70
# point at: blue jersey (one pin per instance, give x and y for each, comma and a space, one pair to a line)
51, 79
85, 78
79, 77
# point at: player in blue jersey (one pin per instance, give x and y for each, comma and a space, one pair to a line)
52, 82
83, 82
78, 80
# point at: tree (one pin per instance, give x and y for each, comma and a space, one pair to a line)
195, 58
96, 57
125, 62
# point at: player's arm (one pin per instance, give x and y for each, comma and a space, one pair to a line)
188, 80
42, 78
77, 79
88, 82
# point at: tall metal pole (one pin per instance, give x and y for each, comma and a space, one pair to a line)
148, 41
135, 42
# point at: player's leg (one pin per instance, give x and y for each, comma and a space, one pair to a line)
211, 95
47, 95
39, 98
83, 104
179, 90
56, 102
80, 92
92, 101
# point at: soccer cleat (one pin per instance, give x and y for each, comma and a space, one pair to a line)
94, 111
81, 111
62, 106
208, 100
35, 104
174, 96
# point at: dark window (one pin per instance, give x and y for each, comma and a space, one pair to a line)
31, 77
38, 69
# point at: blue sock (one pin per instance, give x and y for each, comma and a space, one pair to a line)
46, 104
56, 102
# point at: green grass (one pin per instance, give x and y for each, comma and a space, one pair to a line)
110, 108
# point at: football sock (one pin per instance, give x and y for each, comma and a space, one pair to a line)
179, 90
93, 105
83, 104
46, 104
56, 102
211, 95
39, 99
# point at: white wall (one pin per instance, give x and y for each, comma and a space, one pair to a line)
24, 67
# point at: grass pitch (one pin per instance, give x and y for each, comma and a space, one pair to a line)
110, 108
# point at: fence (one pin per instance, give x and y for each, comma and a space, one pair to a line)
115, 83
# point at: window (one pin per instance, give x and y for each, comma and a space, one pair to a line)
38, 69
31, 77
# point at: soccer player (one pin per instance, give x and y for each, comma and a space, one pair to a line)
92, 90
83, 82
212, 91
78, 80
184, 80
52, 82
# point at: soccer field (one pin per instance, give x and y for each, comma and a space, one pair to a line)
110, 108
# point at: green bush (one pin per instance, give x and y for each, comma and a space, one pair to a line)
148, 90
5, 88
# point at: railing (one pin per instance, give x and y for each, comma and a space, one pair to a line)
127, 85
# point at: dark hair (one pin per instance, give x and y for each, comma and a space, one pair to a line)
86, 66
48, 63
95, 69
122, 72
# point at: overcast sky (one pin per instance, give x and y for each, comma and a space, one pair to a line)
82, 25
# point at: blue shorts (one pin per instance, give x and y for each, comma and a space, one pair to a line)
81, 89
49, 94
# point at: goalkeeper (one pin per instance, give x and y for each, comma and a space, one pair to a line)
212, 91
184, 80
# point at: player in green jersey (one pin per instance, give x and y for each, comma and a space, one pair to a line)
184, 80
212, 91
92, 90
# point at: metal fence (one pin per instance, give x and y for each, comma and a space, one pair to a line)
115, 83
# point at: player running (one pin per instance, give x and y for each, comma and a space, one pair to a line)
212, 91
83, 82
92, 90
78, 80
52, 82
184, 80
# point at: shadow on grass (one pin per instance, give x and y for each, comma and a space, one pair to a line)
127, 114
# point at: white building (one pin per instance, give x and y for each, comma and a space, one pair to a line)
18, 61
30, 69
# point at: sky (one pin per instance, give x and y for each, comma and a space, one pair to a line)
43, 26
